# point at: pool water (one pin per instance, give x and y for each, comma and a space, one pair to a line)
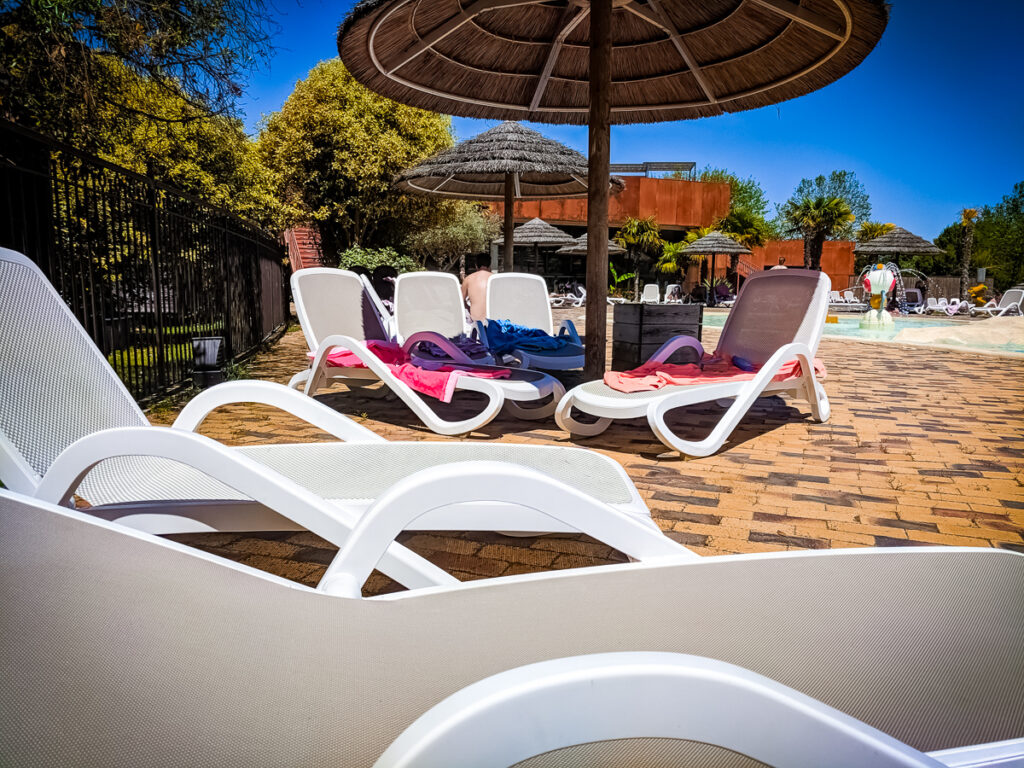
848, 327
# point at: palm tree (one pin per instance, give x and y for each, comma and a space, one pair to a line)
642, 239
967, 218
745, 227
816, 219
869, 230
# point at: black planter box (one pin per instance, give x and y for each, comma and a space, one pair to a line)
639, 329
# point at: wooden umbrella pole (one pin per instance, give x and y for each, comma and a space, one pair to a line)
508, 257
597, 187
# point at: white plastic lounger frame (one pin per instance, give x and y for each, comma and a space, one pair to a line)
83, 434
1011, 303
651, 294
329, 304
429, 301
522, 299
779, 317
613, 696
118, 647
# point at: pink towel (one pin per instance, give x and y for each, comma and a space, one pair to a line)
439, 383
652, 376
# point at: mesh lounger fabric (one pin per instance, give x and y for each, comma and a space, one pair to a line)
121, 652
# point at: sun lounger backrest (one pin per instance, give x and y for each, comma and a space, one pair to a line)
429, 301
55, 384
652, 293
117, 643
334, 301
774, 308
1011, 298
521, 298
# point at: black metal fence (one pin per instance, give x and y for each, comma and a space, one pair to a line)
144, 267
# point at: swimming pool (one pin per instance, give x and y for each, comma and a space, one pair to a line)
962, 334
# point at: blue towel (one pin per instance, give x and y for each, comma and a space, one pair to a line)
504, 336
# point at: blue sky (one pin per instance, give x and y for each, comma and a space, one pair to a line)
931, 121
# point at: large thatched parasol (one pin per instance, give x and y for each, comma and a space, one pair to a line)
897, 242
715, 244
600, 62
578, 247
509, 162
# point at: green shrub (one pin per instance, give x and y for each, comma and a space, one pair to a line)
371, 258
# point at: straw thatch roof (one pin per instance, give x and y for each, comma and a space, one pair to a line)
715, 244
672, 59
897, 242
476, 168
538, 232
578, 247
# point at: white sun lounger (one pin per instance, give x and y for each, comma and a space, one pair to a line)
522, 299
80, 432
120, 648
1011, 303
673, 288
651, 294
331, 306
779, 317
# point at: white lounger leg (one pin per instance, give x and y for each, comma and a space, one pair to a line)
531, 710
814, 393
540, 412
565, 420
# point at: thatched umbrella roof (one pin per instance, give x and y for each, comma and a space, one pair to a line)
715, 243
578, 247
476, 169
672, 59
897, 242
538, 232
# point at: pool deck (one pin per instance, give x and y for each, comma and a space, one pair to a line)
925, 446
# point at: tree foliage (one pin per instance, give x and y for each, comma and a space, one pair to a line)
842, 185
642, 240
816, 219
464, 230
334, 149
53, 52
371, 258
869, 230
999, 238
743, 193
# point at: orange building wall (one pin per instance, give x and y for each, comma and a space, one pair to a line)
674, 203
836, 258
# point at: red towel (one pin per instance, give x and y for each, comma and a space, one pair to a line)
652, 376
439, 383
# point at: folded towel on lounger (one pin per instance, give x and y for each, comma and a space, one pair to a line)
504, 336
712, 370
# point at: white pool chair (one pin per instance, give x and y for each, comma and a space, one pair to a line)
651, 294
81, 433
779, 317
1011, 303
522, 299
936, 306
120, 648
328, 303
673, 293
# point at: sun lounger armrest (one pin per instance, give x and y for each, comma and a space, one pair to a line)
568, 328
278, 396
255, 480
456, 354
481, 482
675, 343
629, 695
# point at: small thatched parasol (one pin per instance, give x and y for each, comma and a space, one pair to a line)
578, 247
537, 232
509, 162
715, 243
897, 242
600, 62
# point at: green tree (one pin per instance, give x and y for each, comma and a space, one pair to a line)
642, 240
968, 217
843, 185
743, 193
371, 258
816, 219
1000, 236
467, 229
334, 149
52, 55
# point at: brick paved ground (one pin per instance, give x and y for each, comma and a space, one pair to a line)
924, 447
